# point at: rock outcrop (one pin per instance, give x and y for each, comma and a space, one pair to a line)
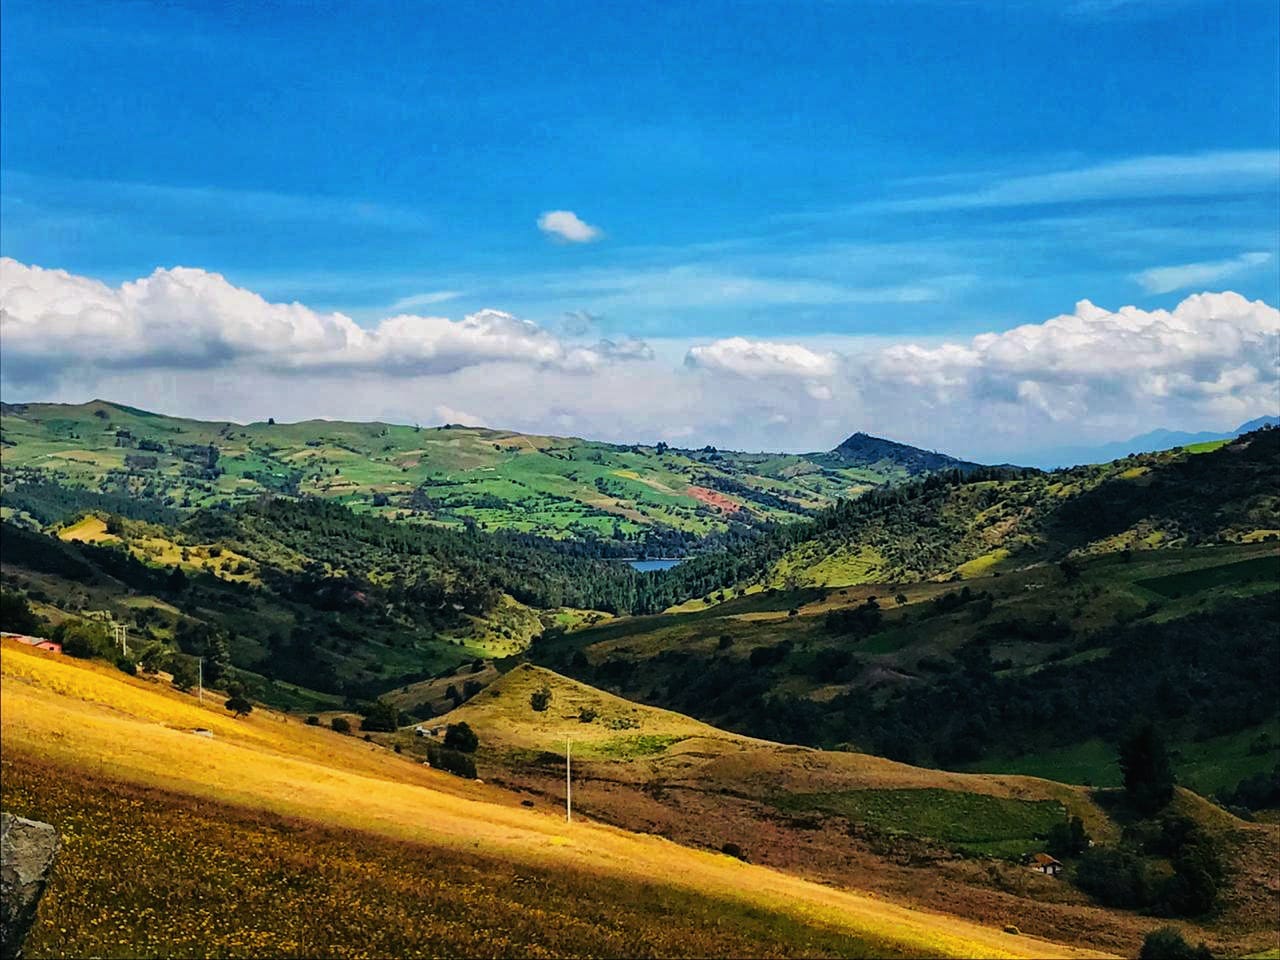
27, 850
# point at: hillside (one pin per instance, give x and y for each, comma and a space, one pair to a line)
642, 499
1028, 671
937, 840
308, 593
874, 453
969, 523
401, 858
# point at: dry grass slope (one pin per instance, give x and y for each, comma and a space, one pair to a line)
68, 716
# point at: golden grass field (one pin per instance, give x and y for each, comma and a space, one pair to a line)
654, 771
72, 719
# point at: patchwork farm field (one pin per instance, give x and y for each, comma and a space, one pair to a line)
452, 475
293, 807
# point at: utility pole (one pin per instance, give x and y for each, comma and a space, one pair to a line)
568, 781
121, 633
201, 687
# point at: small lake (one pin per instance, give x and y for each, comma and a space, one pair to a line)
646, 565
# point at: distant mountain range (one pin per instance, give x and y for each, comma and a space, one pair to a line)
1053, 457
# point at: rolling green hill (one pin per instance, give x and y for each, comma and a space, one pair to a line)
644, 498
966, 523
1029, 671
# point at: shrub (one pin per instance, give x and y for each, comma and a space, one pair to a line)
460, 737
1116, 876
127, 665
540, 699
381, 716
733, 850
725, 642
313, 721
153, 658
1167, 943
453, 761
239, 705
586, 715
340, 725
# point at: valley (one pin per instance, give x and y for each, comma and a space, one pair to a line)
879, 702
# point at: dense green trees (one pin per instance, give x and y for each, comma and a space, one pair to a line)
86, 638
380, 716
16, 615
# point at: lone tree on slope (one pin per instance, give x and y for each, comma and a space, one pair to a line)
1148, 773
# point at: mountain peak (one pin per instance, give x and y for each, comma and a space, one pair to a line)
863, 449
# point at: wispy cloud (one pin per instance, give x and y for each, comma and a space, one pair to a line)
1186, 275
221, 205
1171, 175
425, 299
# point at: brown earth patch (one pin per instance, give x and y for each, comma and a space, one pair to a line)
714, 498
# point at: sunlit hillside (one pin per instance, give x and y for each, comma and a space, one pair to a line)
65, 721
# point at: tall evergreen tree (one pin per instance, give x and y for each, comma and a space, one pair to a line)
1148, 773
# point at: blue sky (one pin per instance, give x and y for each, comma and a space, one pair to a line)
807, 170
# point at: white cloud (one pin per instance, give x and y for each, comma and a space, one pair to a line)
566, 225
1183, 276
184, 318
188, 342
443, 413
761, 358
1214, 352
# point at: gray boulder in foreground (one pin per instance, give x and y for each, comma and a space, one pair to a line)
27, 849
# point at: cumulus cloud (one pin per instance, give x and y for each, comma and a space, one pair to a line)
185, 318
566, 225
1168, 279
761, 358
190, 343
1213, 351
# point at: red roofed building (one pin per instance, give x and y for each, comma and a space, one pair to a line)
40, 643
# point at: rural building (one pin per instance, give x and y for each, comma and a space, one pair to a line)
40, 643
1046, 864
